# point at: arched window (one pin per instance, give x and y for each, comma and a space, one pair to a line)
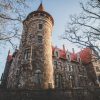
68, 56
58, 81
38, 77
56, 53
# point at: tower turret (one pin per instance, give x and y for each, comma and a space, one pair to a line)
34, 67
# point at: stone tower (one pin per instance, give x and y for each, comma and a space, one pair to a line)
32, 66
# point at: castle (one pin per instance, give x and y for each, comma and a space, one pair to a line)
39, 65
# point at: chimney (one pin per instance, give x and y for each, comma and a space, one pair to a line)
78, 57
73, 50
64, 47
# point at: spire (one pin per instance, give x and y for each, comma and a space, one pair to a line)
41, 7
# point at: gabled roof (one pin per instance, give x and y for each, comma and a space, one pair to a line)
85, 55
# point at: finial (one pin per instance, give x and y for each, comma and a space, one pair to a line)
73, 50
41, 8
64, 47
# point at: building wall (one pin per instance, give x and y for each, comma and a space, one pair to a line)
71, 74
34, 58
96, 66
35, 66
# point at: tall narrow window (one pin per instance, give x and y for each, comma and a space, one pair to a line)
40, 26
56, 64
27, 54
70, 68
38, 77
56, 53
58, 81
40, 39
71, 79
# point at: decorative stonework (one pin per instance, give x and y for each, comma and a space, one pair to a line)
37, 66
38, 55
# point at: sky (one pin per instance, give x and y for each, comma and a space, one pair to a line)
60, 11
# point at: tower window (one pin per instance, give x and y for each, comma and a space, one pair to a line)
38, 77
40, 26
40, 39
27, 54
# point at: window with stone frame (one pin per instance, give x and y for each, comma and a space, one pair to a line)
69, 67
58, 81
27, 54
38, 77
79, 68
56, 53
40, 39
97, 69
68, 56
60, 65
56, 64
71, 80
40, 26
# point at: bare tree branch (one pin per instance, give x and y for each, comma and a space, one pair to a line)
83, 29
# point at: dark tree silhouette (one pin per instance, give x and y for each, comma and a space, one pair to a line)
12, 12
84, 29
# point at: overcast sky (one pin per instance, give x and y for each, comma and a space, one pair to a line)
60, 10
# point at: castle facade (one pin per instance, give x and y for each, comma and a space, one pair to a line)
39, 65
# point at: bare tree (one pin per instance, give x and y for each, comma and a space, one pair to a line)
12, 12
84, 29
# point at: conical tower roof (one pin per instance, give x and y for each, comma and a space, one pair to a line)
41, 8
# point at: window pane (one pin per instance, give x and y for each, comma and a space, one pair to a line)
40, 39
40, 26
27, 54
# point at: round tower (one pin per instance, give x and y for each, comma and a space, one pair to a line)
36, 50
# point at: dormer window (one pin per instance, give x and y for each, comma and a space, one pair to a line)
68, 56
56, 53
40, 26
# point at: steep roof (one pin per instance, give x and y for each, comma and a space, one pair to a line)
41, 8
85, 55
